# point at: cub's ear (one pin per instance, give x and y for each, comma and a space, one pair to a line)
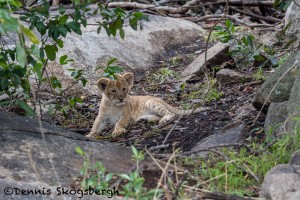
102, 84
129, 78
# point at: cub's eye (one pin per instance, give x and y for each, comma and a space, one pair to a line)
124, 89
114, 91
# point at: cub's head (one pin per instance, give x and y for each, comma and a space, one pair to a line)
116, 90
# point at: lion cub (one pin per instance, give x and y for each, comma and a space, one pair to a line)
120, 108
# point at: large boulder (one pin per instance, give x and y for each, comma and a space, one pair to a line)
292, 17
277, 87
139, 50
29, 157
283, 181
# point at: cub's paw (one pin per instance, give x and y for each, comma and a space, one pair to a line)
91, 135
118, 132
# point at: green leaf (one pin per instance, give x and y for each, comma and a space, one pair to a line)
21, 55
75, 26
228, 23
122, 33
125, 176
55, 82
99, 29
29, 111
35, 50
72, 102
112, 60
62, 30
134, 151
50, 52
37, 68
79, 151
60, 43
41, 27
62, 59
63, 19
4, 83
115, 69
29, 33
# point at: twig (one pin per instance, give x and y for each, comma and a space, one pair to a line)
270, 19
159, 147
296, 3
167, 136
237, 20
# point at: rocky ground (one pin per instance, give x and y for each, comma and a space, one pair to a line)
229, 102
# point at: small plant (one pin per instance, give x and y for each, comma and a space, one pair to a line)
259, 75
212, 95
96, 177
227, 33
110, 70
164, 74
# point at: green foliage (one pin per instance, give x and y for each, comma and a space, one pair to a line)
164, 74
244, 169
282, 4
19, 61
259, 75
213, 93
95, 176
110, 70
227, 33
114, 20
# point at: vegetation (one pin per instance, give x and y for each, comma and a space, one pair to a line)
24, 56
96, 177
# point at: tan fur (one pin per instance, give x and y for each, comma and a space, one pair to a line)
120, 108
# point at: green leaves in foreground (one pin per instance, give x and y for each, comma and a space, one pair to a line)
110, 70
29, 111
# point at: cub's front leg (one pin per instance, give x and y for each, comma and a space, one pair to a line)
98, 126
122, 124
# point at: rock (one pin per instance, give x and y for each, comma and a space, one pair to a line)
286, 75
277, 115
293, 104
139, 50
295, 160
231, 135
292, 15
216, 55
281, 182
25, 157
226, 76
244, 111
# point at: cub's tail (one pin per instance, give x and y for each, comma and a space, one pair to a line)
177, 111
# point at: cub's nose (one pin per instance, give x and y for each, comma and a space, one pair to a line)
121, 99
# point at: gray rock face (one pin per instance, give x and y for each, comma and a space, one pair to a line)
216, 55
25, 157
232, 135
282, 79
292, 15
281, 182
139, 50
293, 107
277, 115
226, 76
